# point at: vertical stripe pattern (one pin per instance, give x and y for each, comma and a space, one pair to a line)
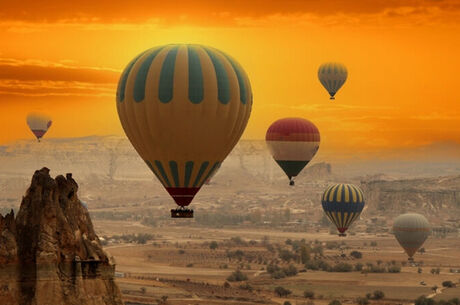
342, 204
332, 76
183, 107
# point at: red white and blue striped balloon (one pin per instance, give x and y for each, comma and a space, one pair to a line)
293, 142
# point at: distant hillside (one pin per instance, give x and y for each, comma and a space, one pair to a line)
114, 157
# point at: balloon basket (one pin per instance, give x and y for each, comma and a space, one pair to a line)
410, 259
181, 213
291, 183
332, 98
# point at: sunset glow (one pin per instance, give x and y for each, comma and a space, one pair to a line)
402, 60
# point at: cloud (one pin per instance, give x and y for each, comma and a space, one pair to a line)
218, 12
39, 78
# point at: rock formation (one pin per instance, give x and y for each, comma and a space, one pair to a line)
49, 253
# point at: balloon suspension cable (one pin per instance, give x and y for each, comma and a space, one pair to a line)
181, 212
342, 234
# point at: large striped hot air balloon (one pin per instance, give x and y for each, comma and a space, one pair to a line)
183, 107
332, 76
293, 142
342, 204
38, 124
411, 230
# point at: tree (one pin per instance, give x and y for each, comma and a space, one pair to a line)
290, 270
308, 294
373, 244
362, 301
419, 270
434, 288
287, 303
335, 302
282, 292
356, 254
421, 250
213, 245
304, 254
237, 276
358, 266
448, 284
378, 295
423, 300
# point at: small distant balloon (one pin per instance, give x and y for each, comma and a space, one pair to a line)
292, 142
332, 76
342, 204
411, 230
38, 124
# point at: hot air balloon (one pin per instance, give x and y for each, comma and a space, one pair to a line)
411, 230
208, 181
38, 124
183, 107
342, 204
332, 76
292, 142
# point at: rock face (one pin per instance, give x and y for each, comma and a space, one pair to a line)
49, 253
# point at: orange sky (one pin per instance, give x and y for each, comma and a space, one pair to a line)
402, 56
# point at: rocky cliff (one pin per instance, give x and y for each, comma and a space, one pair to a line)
432, 196
49, 253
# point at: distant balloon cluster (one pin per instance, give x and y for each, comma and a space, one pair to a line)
184, 107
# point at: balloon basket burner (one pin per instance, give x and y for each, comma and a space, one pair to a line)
181, 213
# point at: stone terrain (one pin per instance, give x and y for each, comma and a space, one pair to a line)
49, 252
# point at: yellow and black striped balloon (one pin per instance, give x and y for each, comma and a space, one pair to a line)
183, 107
342, 204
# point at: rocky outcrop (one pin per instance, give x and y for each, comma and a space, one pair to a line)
49, 253
428, 195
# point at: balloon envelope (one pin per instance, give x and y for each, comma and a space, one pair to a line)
183, 107
38, 124
332, 76
292, 142
342, 204
411, 230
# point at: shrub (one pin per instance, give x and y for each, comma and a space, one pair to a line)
373, 244
394, 269
356, 254
308, 294
282, 292
246, 286
448, 284
424, 301
287, 303
287, 255
290, 270
278, 275
342, 267
358, 267
213, 245
335, 302
419, 270
378, 295
237, 276
189, 265
362, 301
